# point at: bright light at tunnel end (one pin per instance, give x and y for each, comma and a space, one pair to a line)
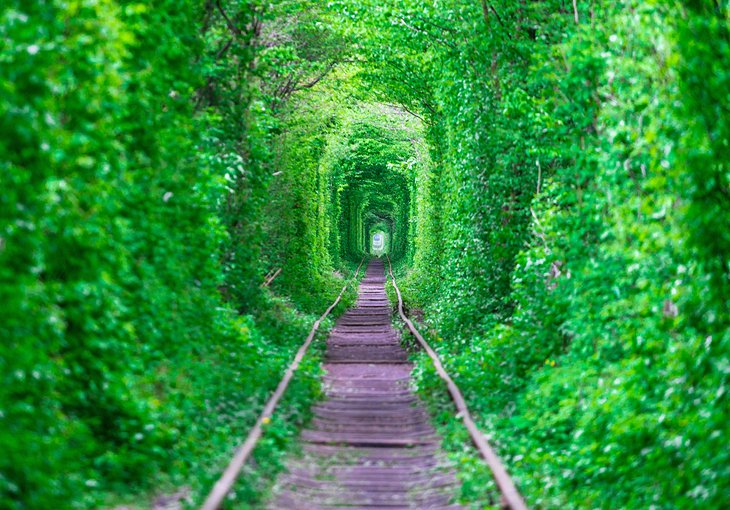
377, 243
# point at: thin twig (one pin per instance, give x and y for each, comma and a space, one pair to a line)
271, 278
224, 49
486, 7
540, 233
408, 111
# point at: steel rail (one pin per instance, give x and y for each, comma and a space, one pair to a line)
225, 483
511, 498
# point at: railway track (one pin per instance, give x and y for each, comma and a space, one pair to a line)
370, 444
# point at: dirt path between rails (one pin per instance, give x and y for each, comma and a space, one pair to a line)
370, 444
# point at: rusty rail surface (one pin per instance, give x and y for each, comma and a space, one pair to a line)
225, 483
511, 498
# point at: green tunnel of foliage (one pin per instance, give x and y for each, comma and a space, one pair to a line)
372, 189
186, 185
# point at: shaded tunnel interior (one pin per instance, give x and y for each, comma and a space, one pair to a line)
372, 190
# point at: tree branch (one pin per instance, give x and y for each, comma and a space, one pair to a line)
224, 49
403, 107
231, 26
486, 7
317, 79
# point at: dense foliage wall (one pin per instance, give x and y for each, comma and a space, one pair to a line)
95, 300
568, 252
138, 155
